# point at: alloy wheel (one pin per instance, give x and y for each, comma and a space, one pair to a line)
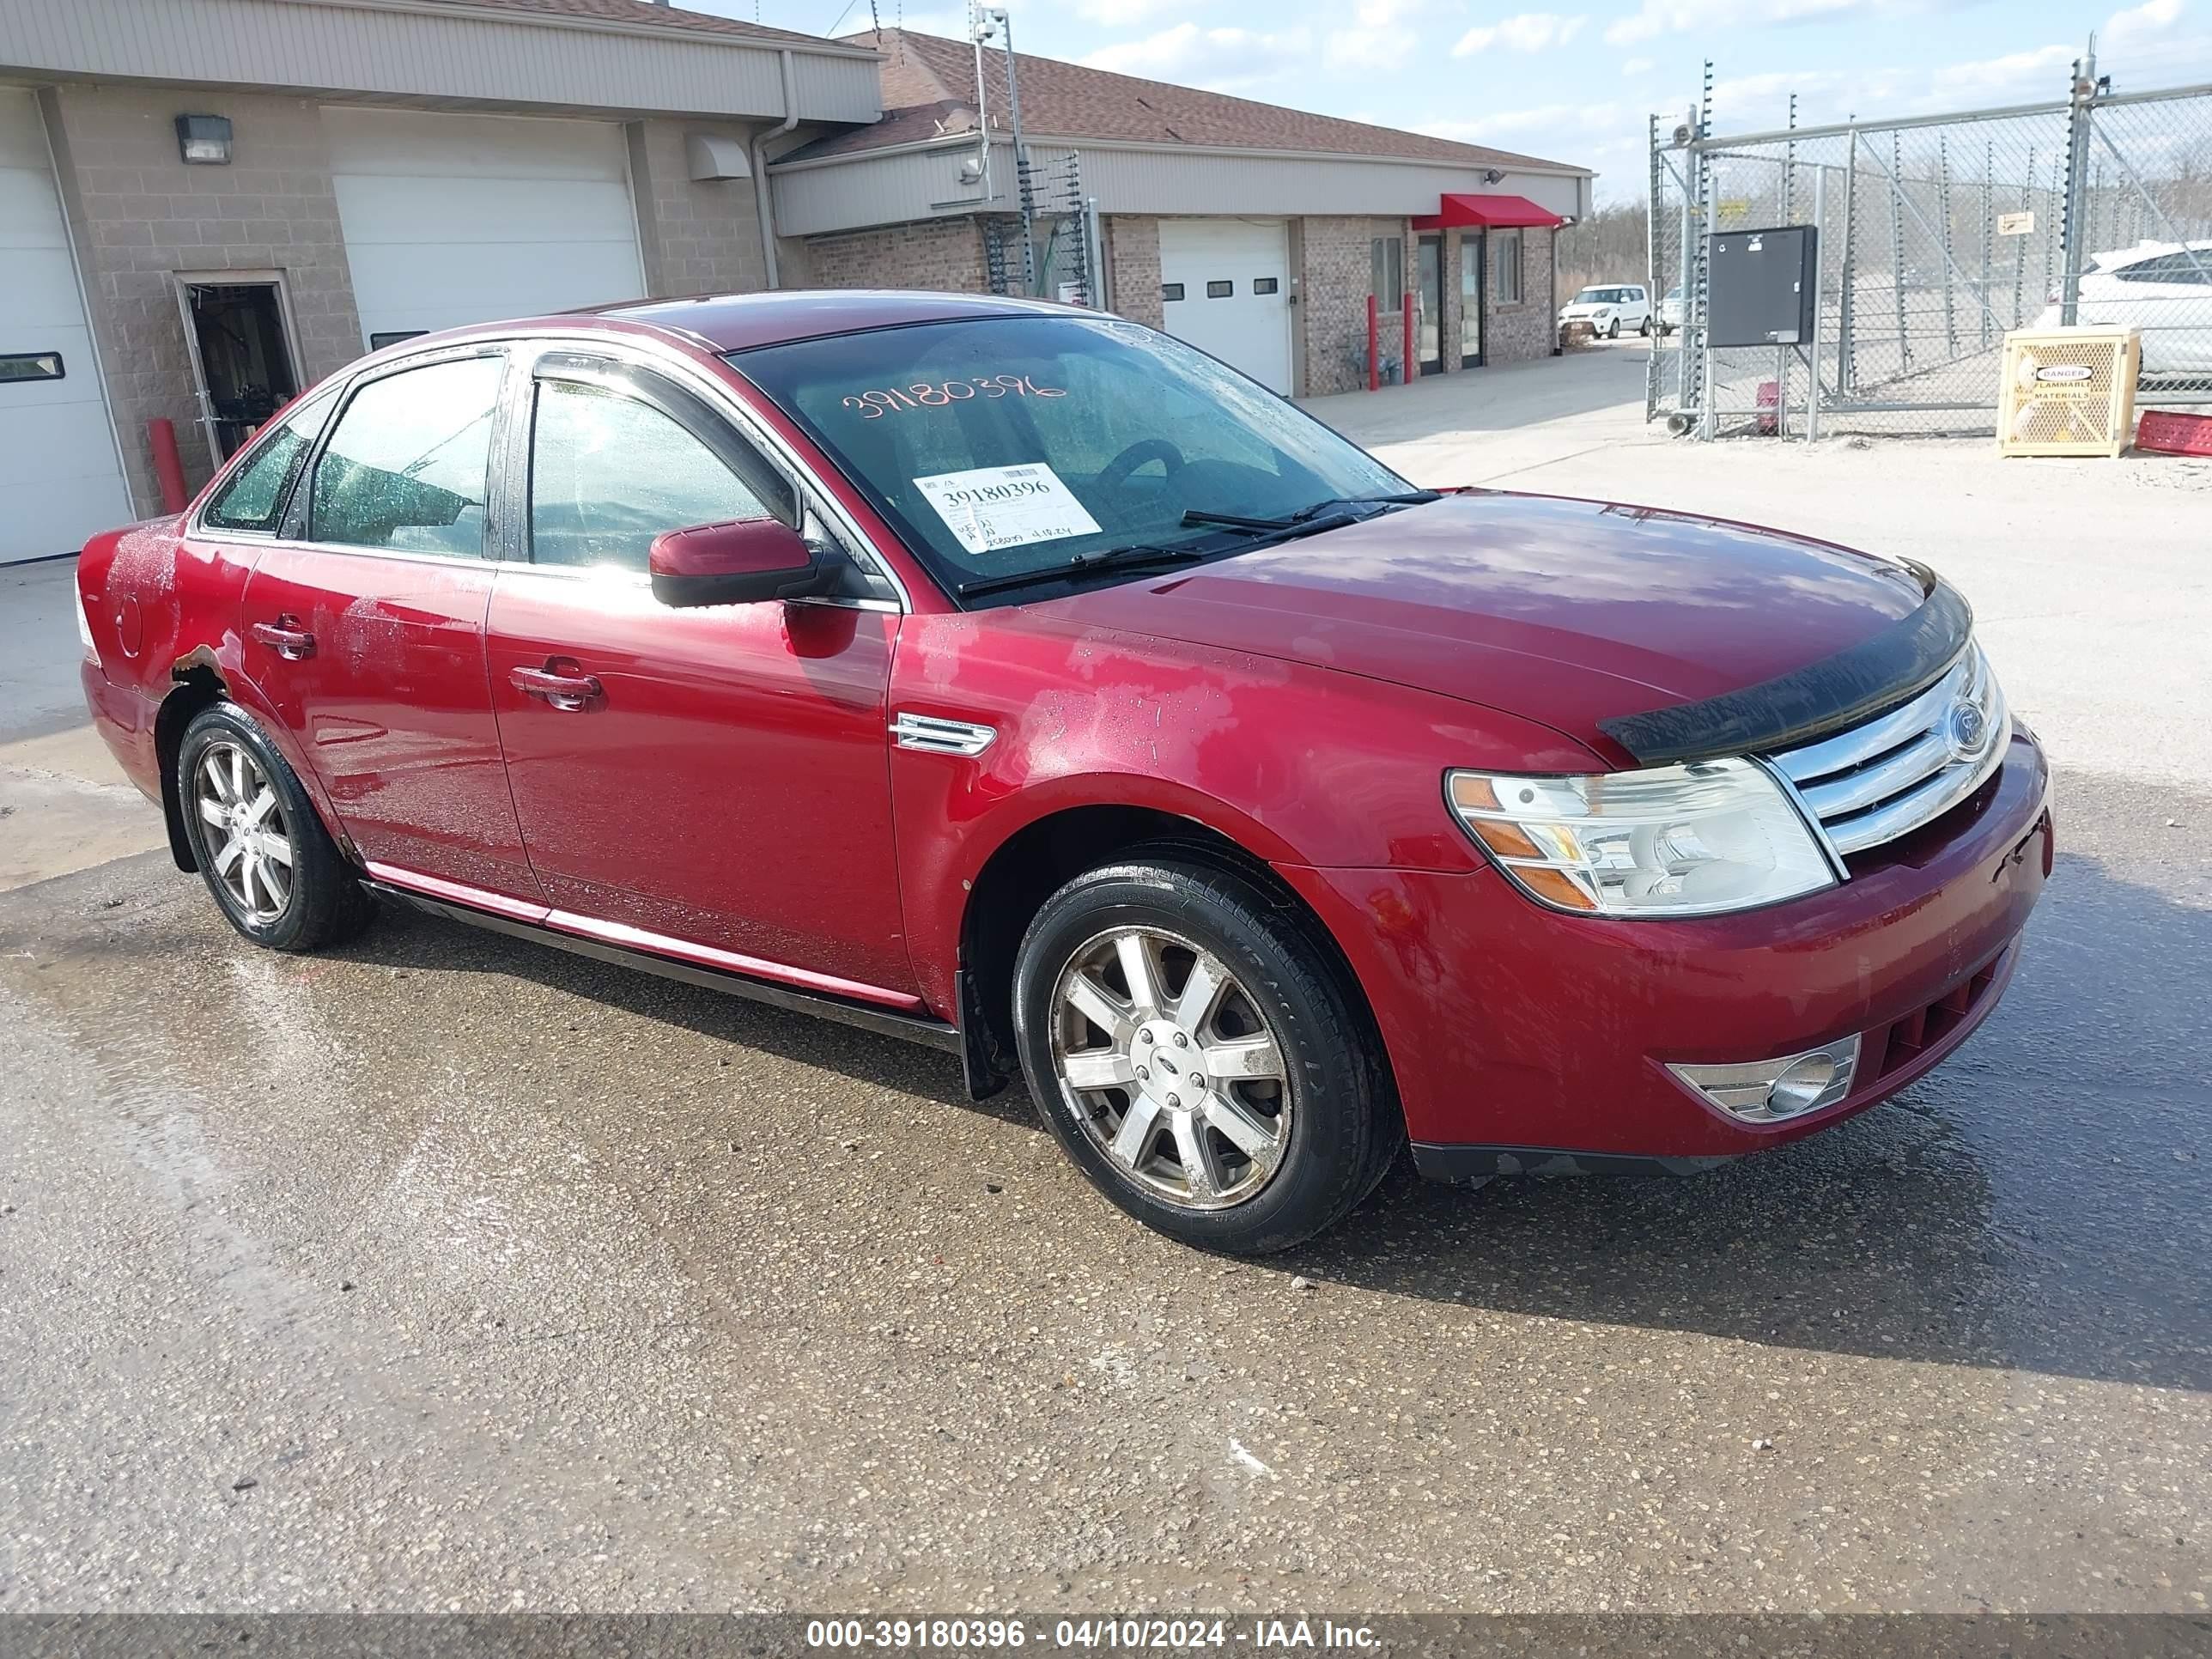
249, 846
1171, 1067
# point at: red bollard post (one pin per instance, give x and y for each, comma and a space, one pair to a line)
168, 465
1374, 348
1410, 369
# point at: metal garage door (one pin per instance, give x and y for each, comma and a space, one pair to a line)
60, 478
1226, 289
452, 219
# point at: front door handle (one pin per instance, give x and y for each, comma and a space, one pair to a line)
286, 638
566, 692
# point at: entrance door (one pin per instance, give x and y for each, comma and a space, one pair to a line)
1472, 250
1225, 286
719, 777
1429, 302
242, 359
60, 477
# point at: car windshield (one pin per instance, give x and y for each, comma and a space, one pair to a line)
1002, 446
1597, 297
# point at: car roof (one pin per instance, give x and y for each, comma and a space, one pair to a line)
738, 322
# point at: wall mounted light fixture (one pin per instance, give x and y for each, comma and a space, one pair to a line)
204, 140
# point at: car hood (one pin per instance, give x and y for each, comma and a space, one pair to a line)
1567, 612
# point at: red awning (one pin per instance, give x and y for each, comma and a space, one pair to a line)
1495, 212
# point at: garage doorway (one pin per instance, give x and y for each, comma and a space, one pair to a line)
239, 328
1225, 286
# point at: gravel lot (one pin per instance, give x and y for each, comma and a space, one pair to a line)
450, 1272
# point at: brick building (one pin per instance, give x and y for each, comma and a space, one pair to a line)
206, 206
1254, 231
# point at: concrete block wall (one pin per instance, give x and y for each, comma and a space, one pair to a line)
932, 253
697, 236
1335, 275
139, 217
1519, 333
1132, 268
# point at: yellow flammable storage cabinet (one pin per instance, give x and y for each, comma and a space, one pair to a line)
2068, 391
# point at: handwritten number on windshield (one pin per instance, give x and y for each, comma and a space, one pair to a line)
893, 400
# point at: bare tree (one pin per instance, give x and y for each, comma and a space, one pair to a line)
1607, 247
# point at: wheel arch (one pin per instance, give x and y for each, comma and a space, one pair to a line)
1038, 857
199, 680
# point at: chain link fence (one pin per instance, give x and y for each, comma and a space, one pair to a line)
1937, 236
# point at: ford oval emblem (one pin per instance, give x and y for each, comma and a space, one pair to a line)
1965, 730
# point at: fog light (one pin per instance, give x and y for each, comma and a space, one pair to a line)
1768, 1090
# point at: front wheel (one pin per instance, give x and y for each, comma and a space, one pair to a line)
1199, 1056
276, 874
1612, 329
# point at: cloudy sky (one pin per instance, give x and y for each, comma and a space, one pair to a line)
1574, 82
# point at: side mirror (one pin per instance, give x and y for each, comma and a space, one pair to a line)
740, 562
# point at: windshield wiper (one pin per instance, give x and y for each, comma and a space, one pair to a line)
1133, 557
1306, 515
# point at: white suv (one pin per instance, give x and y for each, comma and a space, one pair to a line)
1611, 307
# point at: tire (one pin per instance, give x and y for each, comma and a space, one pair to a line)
1612, 329
1644, 328
301, 898
1313, 1138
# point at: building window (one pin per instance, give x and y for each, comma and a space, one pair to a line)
1263, 285
1388, 283
32, 366
1170, 291
1220, 290
1508, 267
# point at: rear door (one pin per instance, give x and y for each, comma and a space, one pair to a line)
365, 624
718, 777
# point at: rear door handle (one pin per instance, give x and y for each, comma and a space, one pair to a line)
285, 637
566, 691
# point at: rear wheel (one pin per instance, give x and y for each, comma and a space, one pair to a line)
1196, 1053
1644, 328
276, 874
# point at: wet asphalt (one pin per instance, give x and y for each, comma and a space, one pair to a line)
453, 1271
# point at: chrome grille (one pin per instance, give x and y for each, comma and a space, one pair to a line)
1901, 769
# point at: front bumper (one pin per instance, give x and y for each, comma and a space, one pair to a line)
1523, 1039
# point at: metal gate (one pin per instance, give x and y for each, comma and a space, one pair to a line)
1937, 235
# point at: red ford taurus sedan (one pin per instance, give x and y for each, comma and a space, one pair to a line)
1018, 679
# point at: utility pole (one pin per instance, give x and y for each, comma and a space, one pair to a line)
2075, 232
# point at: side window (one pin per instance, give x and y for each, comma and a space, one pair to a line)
254, 498
406, 467
607, 474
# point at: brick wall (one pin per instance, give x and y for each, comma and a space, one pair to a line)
697, 236
140, 215
1133, 269
933, 254
1335, 274
1519, 333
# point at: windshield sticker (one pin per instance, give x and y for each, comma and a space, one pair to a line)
874, 406
996, 506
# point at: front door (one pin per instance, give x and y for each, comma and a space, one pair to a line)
364, 625
717, 777
1429, 289
1471, 251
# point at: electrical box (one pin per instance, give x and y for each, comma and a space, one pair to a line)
1761, 286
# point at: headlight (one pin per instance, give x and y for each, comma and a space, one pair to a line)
1669, 840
